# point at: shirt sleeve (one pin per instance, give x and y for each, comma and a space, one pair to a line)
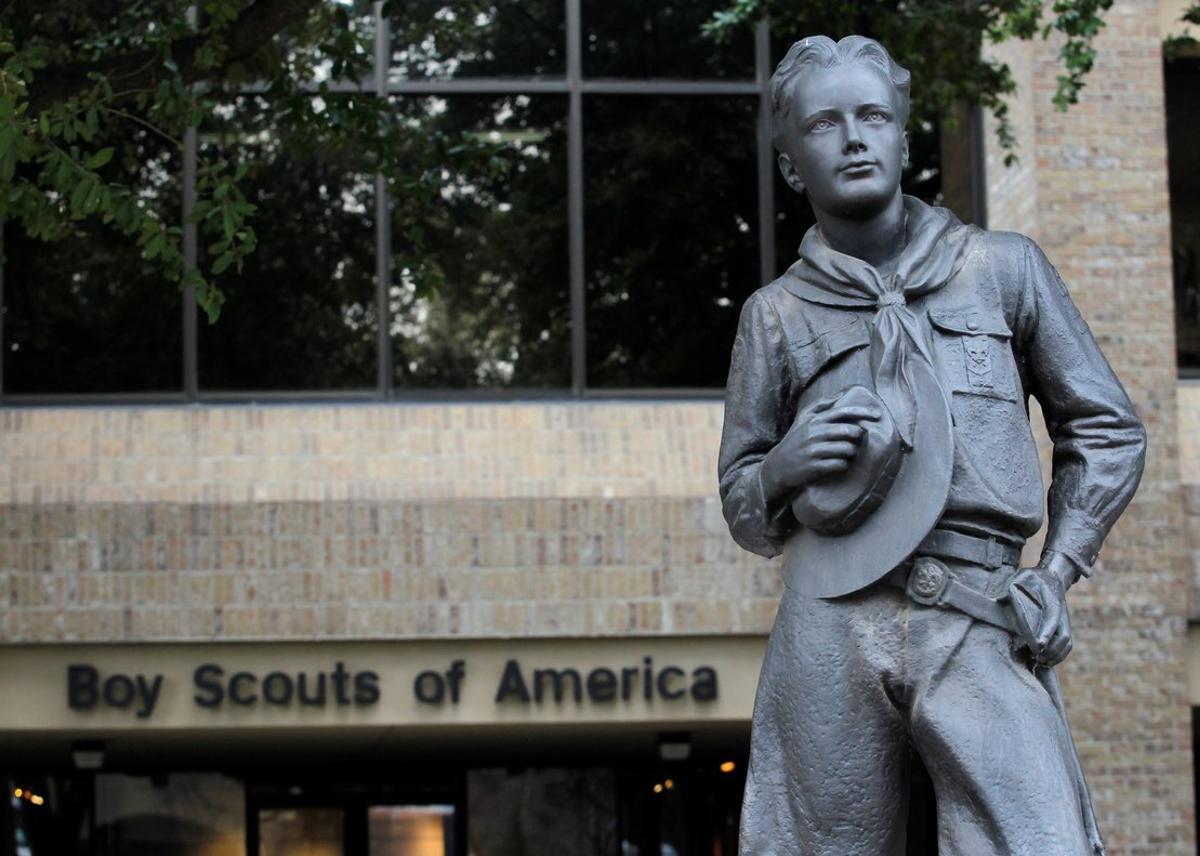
755, 403
1099, 442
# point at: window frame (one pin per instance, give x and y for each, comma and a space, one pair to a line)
576, 87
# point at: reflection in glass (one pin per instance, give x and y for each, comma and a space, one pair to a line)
541, 810
651, 38
301, 831
479, 291
301, 314
679, 809
410, 830
434, 39
87, 314
181, 814
671, 219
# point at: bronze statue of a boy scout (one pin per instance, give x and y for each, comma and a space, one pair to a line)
876, 434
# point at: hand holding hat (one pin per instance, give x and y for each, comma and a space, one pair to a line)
823, 441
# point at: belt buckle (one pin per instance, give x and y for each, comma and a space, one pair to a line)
994, 553
927, 580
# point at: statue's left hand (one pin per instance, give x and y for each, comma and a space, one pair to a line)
1045, 629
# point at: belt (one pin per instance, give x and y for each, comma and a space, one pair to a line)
988, 553
928, 581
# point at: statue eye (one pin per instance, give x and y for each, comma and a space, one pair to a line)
820, 125
876, 116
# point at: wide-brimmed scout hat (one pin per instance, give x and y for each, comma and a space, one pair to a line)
858, 525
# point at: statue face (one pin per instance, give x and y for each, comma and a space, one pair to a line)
843, 142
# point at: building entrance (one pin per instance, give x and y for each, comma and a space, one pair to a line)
354, 821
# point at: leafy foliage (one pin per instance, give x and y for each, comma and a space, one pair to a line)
1183, 42
85, 84
75, 76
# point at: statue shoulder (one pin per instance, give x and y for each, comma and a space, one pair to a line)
776, 305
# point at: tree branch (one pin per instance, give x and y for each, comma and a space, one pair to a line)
258, 23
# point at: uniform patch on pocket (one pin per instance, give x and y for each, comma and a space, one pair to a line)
978, 362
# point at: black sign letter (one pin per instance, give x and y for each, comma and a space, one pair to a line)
512, 683
205, 678
82, 687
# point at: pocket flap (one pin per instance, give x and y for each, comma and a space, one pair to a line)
969, 321
812, 356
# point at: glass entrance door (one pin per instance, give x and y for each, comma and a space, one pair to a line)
301, 831
359, 823
410, 830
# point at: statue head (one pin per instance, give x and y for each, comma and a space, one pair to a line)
838, 113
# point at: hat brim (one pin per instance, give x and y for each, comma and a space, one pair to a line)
819, 565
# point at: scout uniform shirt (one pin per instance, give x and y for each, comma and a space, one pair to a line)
999, 325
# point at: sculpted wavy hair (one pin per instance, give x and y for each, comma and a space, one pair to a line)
821, 52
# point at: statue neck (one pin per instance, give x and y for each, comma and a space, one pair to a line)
877, 240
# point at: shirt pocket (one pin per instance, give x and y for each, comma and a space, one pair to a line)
974, 350
813, 358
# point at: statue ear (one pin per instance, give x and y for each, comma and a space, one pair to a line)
904, 155
791, 176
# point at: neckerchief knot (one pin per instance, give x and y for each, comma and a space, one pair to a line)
935, 242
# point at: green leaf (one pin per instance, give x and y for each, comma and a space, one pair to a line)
100, 158
154, 246
222, 264
79, 197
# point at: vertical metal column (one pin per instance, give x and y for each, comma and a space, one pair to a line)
978, 148
383, 225
766, 153
191, 379
575, 198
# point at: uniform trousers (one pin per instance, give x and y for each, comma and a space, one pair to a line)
851, 685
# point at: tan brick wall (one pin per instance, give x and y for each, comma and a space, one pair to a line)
371, 521
1189, 474
1091, 188
293, 453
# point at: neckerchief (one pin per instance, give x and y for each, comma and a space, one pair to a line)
933, 253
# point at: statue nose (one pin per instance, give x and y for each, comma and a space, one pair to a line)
854, 141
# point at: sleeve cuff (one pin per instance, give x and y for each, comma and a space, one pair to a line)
1077, 537
779, 519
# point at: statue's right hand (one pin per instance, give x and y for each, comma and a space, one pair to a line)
821, 443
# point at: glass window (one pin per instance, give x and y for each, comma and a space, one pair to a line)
180, 814
655, 39
541, 810
483, 302
301, 313
671, 199
46, 814
301, 831
88, 314
436, 40
410, 830
1183, 111
479, 294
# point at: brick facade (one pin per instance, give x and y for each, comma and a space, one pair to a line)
1091, 188
372, 521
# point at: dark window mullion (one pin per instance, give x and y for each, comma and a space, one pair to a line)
191, 382
766, 159
575, 198
383, 226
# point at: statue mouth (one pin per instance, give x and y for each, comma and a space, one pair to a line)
859, 167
